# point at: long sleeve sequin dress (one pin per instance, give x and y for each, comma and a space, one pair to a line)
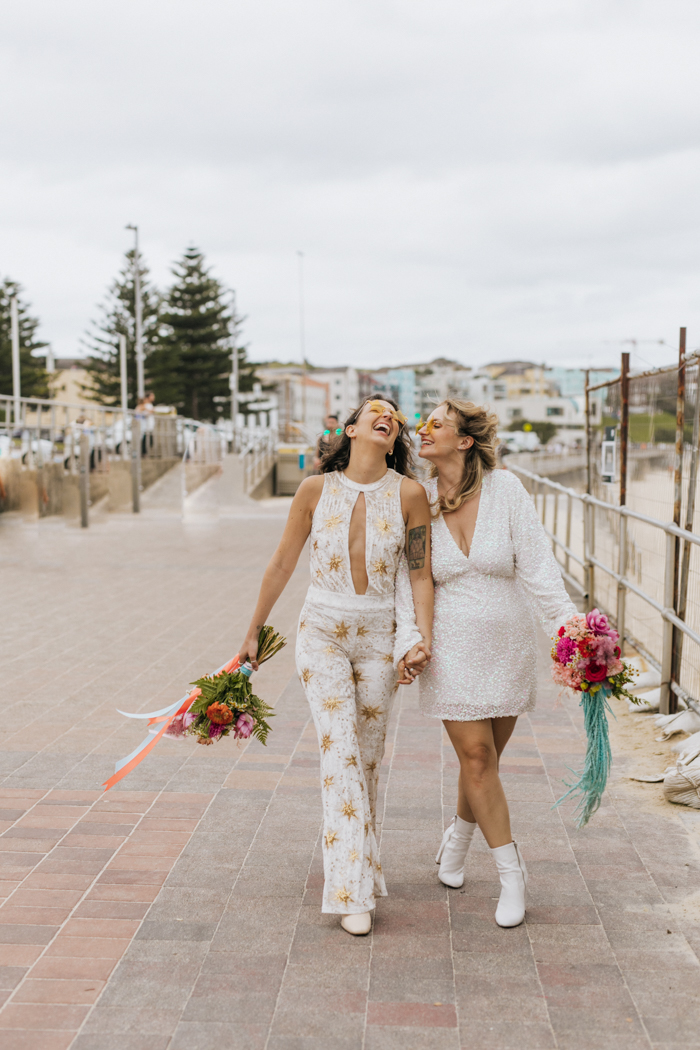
484, 633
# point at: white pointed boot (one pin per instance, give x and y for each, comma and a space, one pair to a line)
513, 874
453, 852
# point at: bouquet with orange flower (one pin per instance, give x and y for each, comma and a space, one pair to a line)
226, 703
220, 704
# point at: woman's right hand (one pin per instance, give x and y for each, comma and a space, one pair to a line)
249, 650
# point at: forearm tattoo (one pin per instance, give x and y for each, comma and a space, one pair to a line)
416, 547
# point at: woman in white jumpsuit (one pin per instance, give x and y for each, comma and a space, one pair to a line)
361, 514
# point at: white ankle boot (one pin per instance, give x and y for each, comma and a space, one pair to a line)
357, 925
453, 852
513, 873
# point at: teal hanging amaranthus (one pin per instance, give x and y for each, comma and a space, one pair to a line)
596, 768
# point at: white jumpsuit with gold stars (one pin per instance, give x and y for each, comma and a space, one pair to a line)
347, 646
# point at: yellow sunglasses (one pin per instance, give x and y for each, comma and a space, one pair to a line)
379, 408
429, 425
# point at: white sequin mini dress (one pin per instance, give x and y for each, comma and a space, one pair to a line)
484, 648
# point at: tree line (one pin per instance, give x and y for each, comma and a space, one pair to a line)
188, 334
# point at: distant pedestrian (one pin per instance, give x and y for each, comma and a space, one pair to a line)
324, 440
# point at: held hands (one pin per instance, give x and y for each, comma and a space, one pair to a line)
414, 662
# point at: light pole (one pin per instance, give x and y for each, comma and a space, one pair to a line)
234, 367
302, 338
14, 337
138, 316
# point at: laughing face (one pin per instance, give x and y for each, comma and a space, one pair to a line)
376, 423
439, 437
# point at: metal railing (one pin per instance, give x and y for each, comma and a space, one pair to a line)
257, 447
90, 440
587, 559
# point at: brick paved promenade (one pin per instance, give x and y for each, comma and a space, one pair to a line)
182, 911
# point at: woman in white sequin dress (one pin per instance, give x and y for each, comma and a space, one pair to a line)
360, 514
493, 567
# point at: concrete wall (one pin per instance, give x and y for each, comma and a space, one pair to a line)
50, 490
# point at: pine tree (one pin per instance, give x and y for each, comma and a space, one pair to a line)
34, 380
117, 317
191, 364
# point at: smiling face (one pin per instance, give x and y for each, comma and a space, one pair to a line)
376, 424
440, 440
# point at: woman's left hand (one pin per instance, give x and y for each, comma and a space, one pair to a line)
414, 662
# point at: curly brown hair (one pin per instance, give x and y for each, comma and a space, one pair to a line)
477, 422
338, 455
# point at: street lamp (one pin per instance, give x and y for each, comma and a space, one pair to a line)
301, 338
138, 317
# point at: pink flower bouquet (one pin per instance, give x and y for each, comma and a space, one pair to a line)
586, 657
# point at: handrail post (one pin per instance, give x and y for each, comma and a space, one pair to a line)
136, 465
555, 522
84, 478
588, 549
677, 642
568, 531
666, 696
622, 543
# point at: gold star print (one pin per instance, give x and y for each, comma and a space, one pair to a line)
327, 781
354, 856
332, 703
388, 494
383, 525
344, 896
366, 829
351, 760
329, 649
393, 625
326, 742
302, 625
334, 521
389, 658
341, 631
315, 545
361, 631
335, 563
348, 810
319, 573
331, 838
370, 713
380, 567
334, 490
306, 676
357, 676
379, 867
371, 766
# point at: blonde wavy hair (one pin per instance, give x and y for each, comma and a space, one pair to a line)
471, 420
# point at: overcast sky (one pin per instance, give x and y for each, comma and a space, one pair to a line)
481, 179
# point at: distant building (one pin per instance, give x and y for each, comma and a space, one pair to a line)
571, 382
442, 378
343, 389
302, 401
70, 382
519, 379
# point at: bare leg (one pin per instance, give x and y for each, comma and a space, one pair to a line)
481, 795
502, 732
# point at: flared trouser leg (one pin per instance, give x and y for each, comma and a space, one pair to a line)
345, 665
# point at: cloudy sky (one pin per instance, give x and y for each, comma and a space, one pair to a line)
482, 179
